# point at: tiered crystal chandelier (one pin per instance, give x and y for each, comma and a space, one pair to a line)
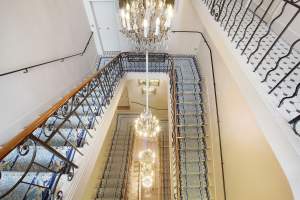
147, 160
147, 125
146, 22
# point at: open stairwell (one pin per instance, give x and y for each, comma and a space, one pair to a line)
39, 165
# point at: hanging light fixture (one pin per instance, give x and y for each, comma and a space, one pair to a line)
146, 22
147, 161
147, 125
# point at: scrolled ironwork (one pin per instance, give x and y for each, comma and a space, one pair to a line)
23, 149
295, 127
59, 195
64, 110
291, 96
216, 9
70, 174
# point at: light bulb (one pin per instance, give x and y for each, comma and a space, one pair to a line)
122, 13
157, 26
145, 23
128, 21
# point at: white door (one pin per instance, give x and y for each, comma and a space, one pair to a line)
106, 17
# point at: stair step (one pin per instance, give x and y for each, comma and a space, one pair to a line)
190, 137
192, 168
93, 100
76, 137
192, 156
109, 192
194, 193
88, 110
16, 162
190, 120
115, 166
9, 179
188, 92
188, 82
190, 125
72, 122
189, 103
189, 114
192, 181
111, 182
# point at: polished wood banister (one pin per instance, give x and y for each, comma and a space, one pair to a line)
19, 138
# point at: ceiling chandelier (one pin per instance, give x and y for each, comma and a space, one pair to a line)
146, 22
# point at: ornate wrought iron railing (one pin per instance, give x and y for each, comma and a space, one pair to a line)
42, 153
263, 32
59, 134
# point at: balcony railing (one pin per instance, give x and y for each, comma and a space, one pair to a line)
264, 33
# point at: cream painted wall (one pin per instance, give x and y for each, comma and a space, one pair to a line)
250, 167
159, 100
32, 32
185, 18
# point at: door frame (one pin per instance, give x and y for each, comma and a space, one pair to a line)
88, 5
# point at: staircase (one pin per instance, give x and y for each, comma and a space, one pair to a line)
113, 182
43, 162
43, 166
190, 128
43, 159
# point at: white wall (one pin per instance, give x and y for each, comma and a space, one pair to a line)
184, 19
35, 31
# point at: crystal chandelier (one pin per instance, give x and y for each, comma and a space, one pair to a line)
146, 22
147, 161
147, 125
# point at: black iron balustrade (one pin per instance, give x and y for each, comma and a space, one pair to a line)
253, 27
44, 152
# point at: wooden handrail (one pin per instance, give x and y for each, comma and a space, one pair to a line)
23, 135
